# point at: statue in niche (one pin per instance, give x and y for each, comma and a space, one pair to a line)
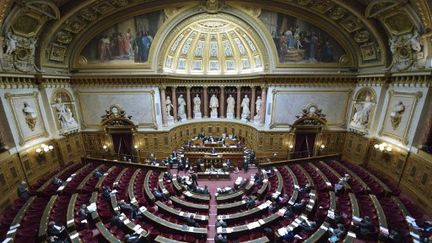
169, 106
64, 115
11, 43
258, 104
181, 107
197, 106
230, 107
245, 108
396, 114
362, 113
214, 104
30, 116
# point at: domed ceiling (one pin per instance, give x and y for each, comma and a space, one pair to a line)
213, 46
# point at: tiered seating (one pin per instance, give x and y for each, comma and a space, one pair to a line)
356, 183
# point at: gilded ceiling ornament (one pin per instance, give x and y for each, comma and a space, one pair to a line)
120, 3
337, 13
88, 15
19, 54
404, 50
322, 6
361, 36
64, 37
213, 6
74, 26
304, 2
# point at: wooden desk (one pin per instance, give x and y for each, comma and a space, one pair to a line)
70, 215
264, 186
263, 239
237, 216
49, 181
333, 171
180, 214
229, 197
318, 234
87, 178
308, 176
161, 184
351, 236
323, 176
213, 175
176, 227
43, 224
414, 233
101, 180
381, 215
90, 159
131, 184
356, 177
70, 178
118, 178
311, 203
162, 239
107, 235
176, 184
293, 176
189, 205
279, 187
221, 208
296, 222
197, 197
18, 218
147, 189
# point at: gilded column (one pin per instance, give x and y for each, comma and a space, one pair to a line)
205, 97
238, 102
163, 105
222, 103
174, 102
188, 102
264, 104
252, 104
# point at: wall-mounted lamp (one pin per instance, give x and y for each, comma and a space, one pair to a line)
44, 149
290, 147
383, 147
322, 146
105, 147
136, 147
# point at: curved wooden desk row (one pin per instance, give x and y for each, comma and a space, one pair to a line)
48, 182
172, 226
192, 206
335, 174
181, 214
354, 175
221, 198
240, 215
147, 189
16, 222
308, 176
90, 159
231, 206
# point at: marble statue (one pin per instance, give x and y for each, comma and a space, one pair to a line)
169, 106
230, 107
258, 104
396, 114
362, 112
214, 104
30, 116
197, 107
11, 43
245, 108
181, 107
64, 115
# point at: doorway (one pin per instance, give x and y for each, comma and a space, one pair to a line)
304, 145
122, 143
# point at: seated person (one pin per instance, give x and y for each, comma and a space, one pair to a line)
221, 223
132, 209
345, 178
291, 234
273, 207
306, 189
57, 182
22, 191
283, 200
394, 237
365, 227
83, 213
57, 230
300, 206
338, 187
168, 175
115, 220
98, 174
55, 239
308, 226
190, 221
288, 213
158, 194
106, 192
132, 238
250, 202
257, 176
221, 239
336, 233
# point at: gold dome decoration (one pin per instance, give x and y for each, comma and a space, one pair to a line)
213, 45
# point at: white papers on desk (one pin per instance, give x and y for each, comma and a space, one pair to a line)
414, 235
11, 231
253, 225
328, 183
7, 240
219, 230
126, 221
296, 187
14, 226
61, 188
188, 193
331, 214
282, 231
410, 219
384, 230
140, 230
324, 227
181, 213
191, 229
357, 219
71, 221
137, 227
352, 234
261, 222
92, 207
74, 236
113, 192
69, 179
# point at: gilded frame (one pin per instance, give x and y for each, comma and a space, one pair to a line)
35, 95
415, 96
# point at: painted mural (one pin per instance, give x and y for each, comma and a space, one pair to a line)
298, 41
127, 42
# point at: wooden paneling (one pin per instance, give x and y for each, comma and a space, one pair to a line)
355, 148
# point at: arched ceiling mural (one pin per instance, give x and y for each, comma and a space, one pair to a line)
394, 35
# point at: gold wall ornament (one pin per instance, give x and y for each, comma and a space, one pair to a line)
396, 114
213, 6
30, 116
405, 49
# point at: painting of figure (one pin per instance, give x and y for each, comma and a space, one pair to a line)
127, 42
298, 41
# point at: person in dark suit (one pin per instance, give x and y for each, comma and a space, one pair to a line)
220, 239
133, 210
365, 227
22, 191
98, 174
106, 193
57, 182
221, 223
158, 194
190, 221
132, 238
83, 213
115, 220
306, 189
300, 206
194, 179
57, 230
